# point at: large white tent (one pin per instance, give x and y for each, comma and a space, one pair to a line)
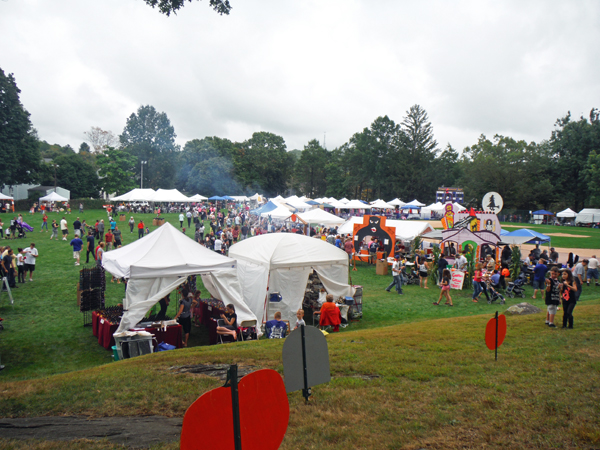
159, 262
397, 202
5, 197
169, 195
406, 230
355, 204
382, 205
282, 262
319, 216
135, 195
279, 213
53, 197
587, 215
567, 213
415, 202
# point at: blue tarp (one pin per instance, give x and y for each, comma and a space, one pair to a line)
227, 197
542, 212
216, 197
312, 202
526, 232
269, 206
410, 207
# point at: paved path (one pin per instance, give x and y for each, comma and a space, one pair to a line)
135, 432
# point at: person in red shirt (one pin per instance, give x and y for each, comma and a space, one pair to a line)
140, 229
349, 246
108, 237
330, 314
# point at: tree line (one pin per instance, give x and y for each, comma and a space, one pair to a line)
385, 160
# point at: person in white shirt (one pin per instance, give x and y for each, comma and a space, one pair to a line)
592, 270
218, 245
63, 228
31, 255
397, 281
181, 217
461, 262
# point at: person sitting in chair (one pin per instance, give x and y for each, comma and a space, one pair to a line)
330, 314
230, 320
276, 328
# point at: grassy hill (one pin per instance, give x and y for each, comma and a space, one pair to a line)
431, 384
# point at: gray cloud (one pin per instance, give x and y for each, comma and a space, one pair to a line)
300, 69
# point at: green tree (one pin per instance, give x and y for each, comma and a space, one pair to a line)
19, 152
150, 137
418, 154
572, 143
76, 175
194, 172
311, 170
169, 7
115, 169
518, 171
262, 163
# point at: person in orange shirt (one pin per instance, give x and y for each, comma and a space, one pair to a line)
330, 314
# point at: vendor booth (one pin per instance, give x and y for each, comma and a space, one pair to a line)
280, 263
161, 261
406, 230
135, 195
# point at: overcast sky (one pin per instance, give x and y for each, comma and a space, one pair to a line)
300, 68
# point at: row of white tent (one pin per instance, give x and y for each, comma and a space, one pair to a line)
171, 195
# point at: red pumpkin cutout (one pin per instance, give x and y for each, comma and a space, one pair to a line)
264, 415
490, 332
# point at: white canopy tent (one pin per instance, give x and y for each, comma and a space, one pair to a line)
382, 205
355, 204
159, 262
457, 207
437, 207
135, 195
319, 216
282, 263
257, 198
279, 213
406, 230
344, 200
53, 197
567, 213
397, 202
198, 198
240, 198
169, 195
587, 215
415, 202
5, 197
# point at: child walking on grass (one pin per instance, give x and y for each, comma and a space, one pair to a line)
445, 288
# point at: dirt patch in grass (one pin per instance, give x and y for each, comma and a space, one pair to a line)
213, 370
133, 432
567, 235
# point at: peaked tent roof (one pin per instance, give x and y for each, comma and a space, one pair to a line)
164, 252
198, 198
381, 204
53, 197
566, 213
5, 197
415, 202
169, 195
355, 204
533, 236
396, 202
319, 216
287, 250
135, 195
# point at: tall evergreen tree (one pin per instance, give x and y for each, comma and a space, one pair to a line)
19, 151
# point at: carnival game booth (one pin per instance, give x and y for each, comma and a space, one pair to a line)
483, 242
277, 266
163, 260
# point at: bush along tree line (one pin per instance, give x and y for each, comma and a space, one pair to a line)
385, 160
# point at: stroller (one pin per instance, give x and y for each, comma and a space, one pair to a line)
409, 278
517, 287
494, 294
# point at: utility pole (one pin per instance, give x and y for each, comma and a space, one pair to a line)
142, 177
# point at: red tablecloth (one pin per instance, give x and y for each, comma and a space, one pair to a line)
104, 332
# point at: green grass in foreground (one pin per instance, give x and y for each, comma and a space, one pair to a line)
431, 384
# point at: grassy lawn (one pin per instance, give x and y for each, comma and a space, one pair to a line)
590, 236
408, 375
